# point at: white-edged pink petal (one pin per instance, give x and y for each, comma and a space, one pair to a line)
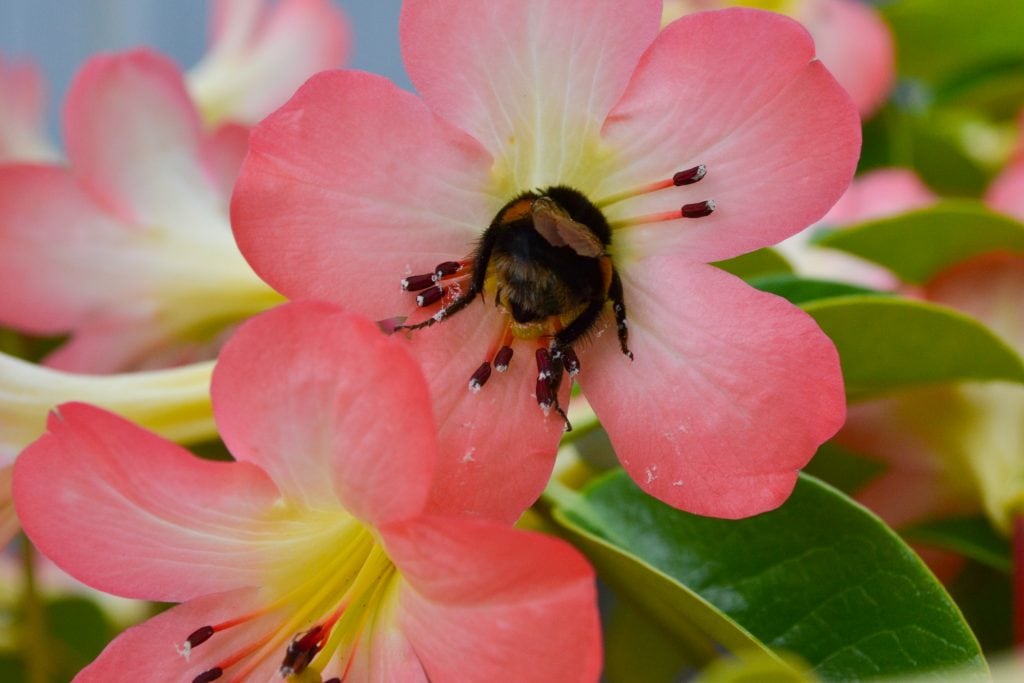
129, 513
730, 393
134, 139
531, 80
496, 445
151, 651
483, 602
855, 44
352, 186
330, 408
260, 52
739, 91
21, 114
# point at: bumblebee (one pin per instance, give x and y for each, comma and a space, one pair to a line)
545, 258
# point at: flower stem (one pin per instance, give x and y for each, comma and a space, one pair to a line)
1018, 581
34, 635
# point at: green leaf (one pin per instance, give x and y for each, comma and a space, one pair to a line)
919, 244
637, 649
972, 537
939, 41
820, 577
754, 263
800, 290
888, 343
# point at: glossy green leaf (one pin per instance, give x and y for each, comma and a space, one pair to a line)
755, 263
888, 343
800, 290
820, 577
919, 244
842, 468
972, 537
637, 649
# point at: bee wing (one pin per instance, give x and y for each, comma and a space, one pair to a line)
555, 225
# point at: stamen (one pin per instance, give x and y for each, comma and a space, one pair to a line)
690, 175
503, 358
545, 396
572, 361
447, 268
415, 283
543, 364
301, 651
429, 296
695, 210
699, 209
687, 177
209, 675
480, 377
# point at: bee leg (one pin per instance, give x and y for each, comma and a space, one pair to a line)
619, 307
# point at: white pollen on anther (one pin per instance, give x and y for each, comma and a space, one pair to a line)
474, 386
184, 650
439, 316
405, 284
543, 374
501, 368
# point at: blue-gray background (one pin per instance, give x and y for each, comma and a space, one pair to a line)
60, 34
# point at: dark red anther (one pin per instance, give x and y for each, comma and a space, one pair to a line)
209, 675
429, 296
301, 651
543, 364
699, 209
503, 358
446, 268
199, 636
572, 361
545, 396
333, 680
415, 283
690, 175
480, 377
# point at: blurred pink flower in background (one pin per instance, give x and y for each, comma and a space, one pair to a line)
311, 552
1006, 193
21, 113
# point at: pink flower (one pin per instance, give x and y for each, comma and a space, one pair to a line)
129, 248
953, 448
21, 114
851, 38
876, 194
312, 552
261, 52
356, 186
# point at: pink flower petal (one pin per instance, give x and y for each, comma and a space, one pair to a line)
487, 603
224, 151
330, 408
530, 80
58, 242
160, 523
133, 137
916, 435
496, 446
880, 193
736, 90
21, 114
353, 185
730, 393
1006, 193
856, 46
150, 651
261, 51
